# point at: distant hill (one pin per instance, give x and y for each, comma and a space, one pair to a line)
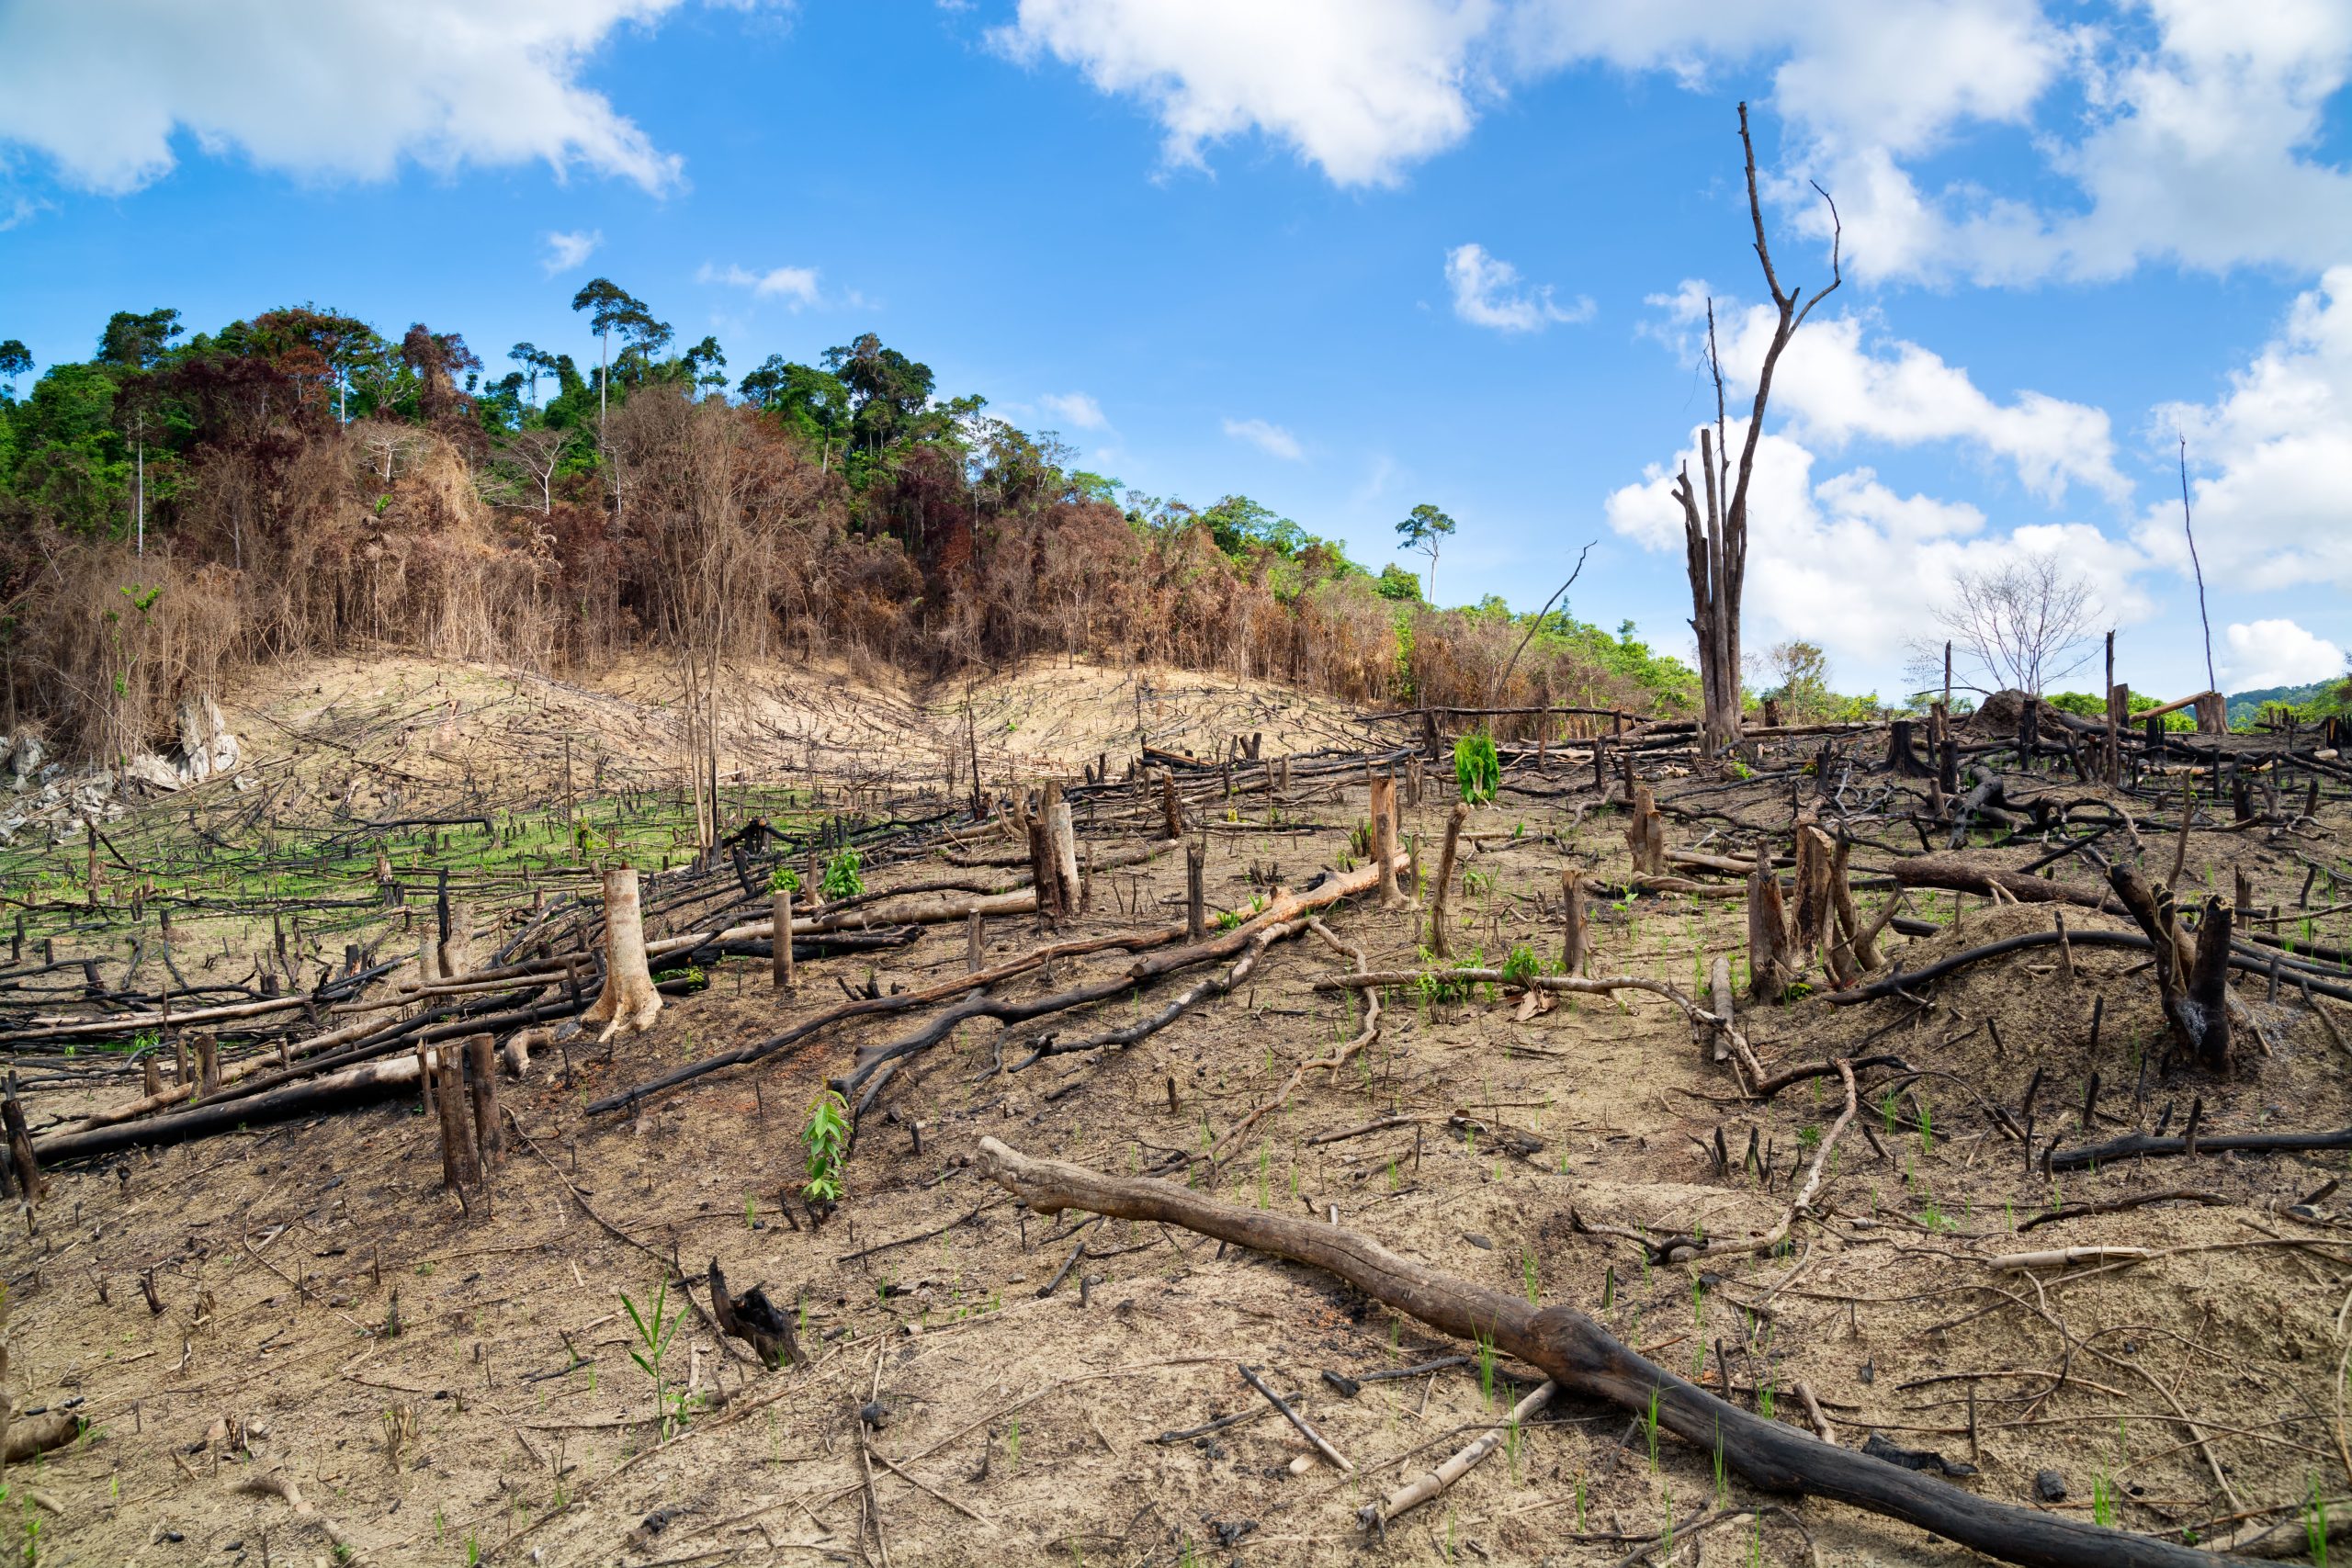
2245, 705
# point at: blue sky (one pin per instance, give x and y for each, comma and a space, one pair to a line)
1346, 255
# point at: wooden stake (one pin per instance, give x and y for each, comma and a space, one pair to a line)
1195, 903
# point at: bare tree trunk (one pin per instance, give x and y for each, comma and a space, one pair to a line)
1440, 916
1715, 538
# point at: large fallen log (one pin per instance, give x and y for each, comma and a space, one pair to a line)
276, 1096
1585, 1358
1902, 979
368, 1081
1958, 874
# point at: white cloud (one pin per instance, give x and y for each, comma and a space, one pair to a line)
1077, 410
2277, 451
1811, 542
2195, 132
1271, 439
568, 249
1834, 386
2278, 653
346, 90
2187, 130
794, 284
1488, 293
1359, 87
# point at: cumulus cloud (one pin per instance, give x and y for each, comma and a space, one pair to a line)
1837, 383
1811, 540
796, 285
1078, 410
1271, 439
568, 249
2187, 130
1488, 293
1361, 89
2279, 653
349, 90
2276, 451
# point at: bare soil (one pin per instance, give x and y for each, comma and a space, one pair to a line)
1012, 1407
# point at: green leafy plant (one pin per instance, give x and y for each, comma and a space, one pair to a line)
827, 1138
1476, 769
841, 878
783, 879
654, 1333
1521, 967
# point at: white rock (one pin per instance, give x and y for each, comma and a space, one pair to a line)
149, 769
23, 760
206, 746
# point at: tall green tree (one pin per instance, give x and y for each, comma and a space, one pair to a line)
610, 307
136, 340
532, 365
1425, 529
814, 402
886, 390
705, 364
16, 360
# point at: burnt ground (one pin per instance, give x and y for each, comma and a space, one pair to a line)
2197, 1389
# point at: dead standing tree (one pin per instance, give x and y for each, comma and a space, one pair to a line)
1715, 538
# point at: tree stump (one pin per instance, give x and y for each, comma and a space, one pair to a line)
780, 941
481, 1087
628, 1002
1383, 837
1769, 966
460, 1166
1646, 833
30, 1184
1573, 936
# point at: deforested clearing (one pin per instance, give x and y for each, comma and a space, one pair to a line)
636, 961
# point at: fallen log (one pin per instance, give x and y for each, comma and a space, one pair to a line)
369, 1080
2139, 1146
131, 1024
1902, 979
1954, 874
38, 1434
866, 1007
1585, 1358
289, 1093
1284, 912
